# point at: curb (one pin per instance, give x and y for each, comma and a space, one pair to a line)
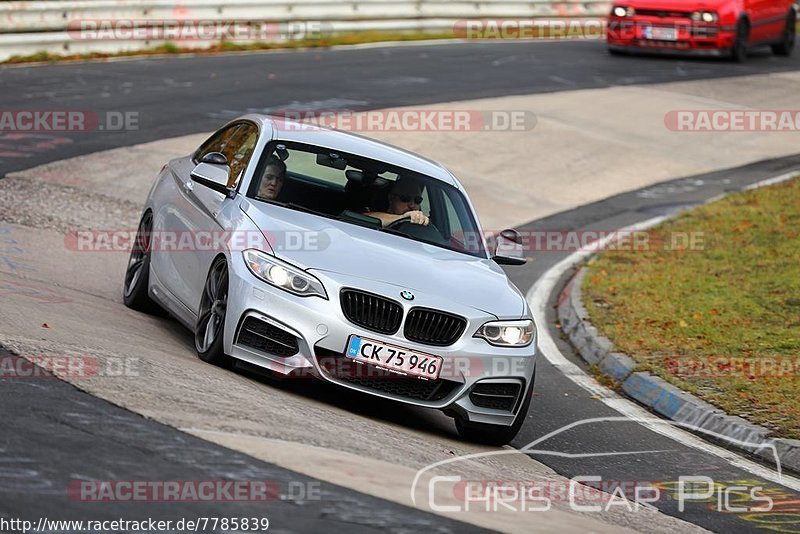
661, 396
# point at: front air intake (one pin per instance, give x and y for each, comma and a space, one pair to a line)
265, 337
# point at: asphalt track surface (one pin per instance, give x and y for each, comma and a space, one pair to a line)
181, 95
177, 96
55, 435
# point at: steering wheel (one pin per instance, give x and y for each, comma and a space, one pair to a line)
427, 232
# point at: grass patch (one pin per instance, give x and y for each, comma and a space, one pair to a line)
722, 322
227, 46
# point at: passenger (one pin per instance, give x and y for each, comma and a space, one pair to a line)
272, 181
405, 198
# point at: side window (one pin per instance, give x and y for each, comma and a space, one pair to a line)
215, 143
239, 149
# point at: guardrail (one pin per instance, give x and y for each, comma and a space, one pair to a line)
28, 27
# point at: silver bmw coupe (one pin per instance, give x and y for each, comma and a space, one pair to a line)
304, 251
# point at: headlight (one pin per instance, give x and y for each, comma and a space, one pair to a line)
705, 16
621, 11
508, 333
282, 275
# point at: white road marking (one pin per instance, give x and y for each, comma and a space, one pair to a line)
539, 296
563, 81
772, 181
502, 60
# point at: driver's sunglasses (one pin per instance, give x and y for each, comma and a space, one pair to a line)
408, 198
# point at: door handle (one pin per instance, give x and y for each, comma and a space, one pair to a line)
188, 186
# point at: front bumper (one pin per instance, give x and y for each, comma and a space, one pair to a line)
642, 34
322, 332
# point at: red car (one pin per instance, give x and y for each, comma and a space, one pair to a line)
702, 27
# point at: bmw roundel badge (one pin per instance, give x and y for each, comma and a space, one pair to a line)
406, 294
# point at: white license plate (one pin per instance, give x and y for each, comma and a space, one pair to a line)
661, 34
395, 358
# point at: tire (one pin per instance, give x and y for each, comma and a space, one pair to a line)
137, 274
785, 47
739, 50
496, 435
209, 331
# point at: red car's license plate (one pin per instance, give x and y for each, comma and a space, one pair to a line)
661, 34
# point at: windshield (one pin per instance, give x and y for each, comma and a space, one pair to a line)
368, 193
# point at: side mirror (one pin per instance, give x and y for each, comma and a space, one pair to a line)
509, 249
215, 158
214, 173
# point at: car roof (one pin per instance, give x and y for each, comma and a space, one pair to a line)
289, 130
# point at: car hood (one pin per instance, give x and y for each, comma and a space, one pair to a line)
672, 5
317, 243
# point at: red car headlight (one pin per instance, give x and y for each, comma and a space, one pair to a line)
623, 11
705, 16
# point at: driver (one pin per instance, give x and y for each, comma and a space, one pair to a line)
272, 181
405, 198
